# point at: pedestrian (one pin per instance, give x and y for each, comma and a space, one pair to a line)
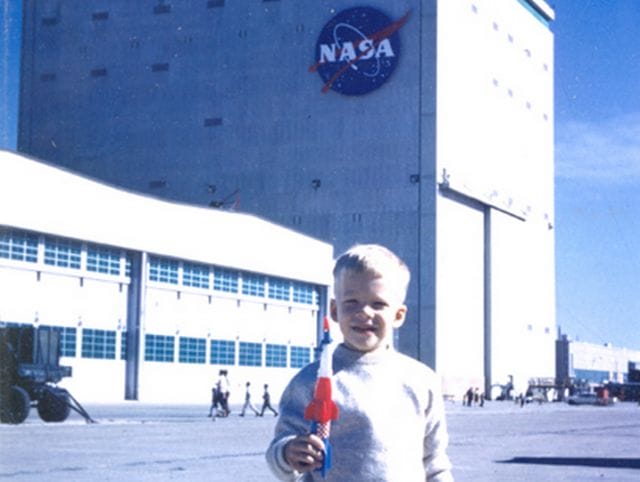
469, 396
215, 400
247, 401
391, 423
266, 402
223, 383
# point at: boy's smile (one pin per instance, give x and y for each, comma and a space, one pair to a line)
367, 307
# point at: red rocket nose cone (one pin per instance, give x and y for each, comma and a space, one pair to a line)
325, 323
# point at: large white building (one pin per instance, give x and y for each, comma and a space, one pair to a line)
593, 363
424, 125
152, 297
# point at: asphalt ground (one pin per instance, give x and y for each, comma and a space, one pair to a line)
140, 442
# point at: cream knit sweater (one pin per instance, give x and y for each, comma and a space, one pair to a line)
391, 426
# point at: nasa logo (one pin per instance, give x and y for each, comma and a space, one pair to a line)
357, 50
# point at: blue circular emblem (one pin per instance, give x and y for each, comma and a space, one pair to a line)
357, 50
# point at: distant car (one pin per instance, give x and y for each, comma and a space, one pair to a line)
587, 398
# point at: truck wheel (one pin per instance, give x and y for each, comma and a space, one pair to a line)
53, 406
15, 408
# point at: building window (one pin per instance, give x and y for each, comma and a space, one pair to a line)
127, 266
160, 67
299, 356
96, 16
253, 284
163, 270
276, 355
303, 293
101, 72
223, 352
158, 348
162, 8
279, 289
98, 344
250, 354
195, 275
215, 3
47, 77
225, 280
213, 121
62, 252
593, 376
123, 345
101, 259
19, 246
49, 21
67, 340
192, 350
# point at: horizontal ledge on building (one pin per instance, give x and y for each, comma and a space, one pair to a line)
491, 200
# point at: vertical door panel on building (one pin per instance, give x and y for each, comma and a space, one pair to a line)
460, 295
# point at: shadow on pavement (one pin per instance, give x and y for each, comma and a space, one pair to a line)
621, 463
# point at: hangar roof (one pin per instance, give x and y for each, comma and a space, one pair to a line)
40, 197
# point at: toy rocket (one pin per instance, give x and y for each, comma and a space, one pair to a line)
322, 409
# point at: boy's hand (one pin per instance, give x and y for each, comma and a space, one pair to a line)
304, 453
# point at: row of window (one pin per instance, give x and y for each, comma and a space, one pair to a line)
194, 275
101, 344
24, 246
159, 9
162, 348
593, 376
510, 37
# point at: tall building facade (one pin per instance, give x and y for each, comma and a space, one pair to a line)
424, 125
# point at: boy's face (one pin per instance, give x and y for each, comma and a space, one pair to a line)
367, 307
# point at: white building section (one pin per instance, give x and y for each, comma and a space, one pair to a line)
495, 293
152, 297
594, 363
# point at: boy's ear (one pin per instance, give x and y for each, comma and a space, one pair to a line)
333, 310
401, 314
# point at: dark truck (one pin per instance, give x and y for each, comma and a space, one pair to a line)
29, 371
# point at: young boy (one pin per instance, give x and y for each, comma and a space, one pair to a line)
391, 425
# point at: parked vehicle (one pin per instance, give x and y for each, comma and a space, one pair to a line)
588, 398
29, 372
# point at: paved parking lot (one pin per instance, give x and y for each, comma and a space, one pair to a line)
138, 442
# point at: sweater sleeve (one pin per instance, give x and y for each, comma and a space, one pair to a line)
290, 424
436, 439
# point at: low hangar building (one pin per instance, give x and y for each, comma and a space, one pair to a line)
152, 297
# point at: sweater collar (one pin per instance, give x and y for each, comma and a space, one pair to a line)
349, 356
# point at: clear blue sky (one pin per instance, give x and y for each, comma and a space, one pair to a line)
597, 121
597, 96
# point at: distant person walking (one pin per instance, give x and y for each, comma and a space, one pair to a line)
266, 402
247, 402
223, 382
468, 398
215, 400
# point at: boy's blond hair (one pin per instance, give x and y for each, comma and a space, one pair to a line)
376, 259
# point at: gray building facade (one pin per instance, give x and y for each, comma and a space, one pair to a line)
422, 125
